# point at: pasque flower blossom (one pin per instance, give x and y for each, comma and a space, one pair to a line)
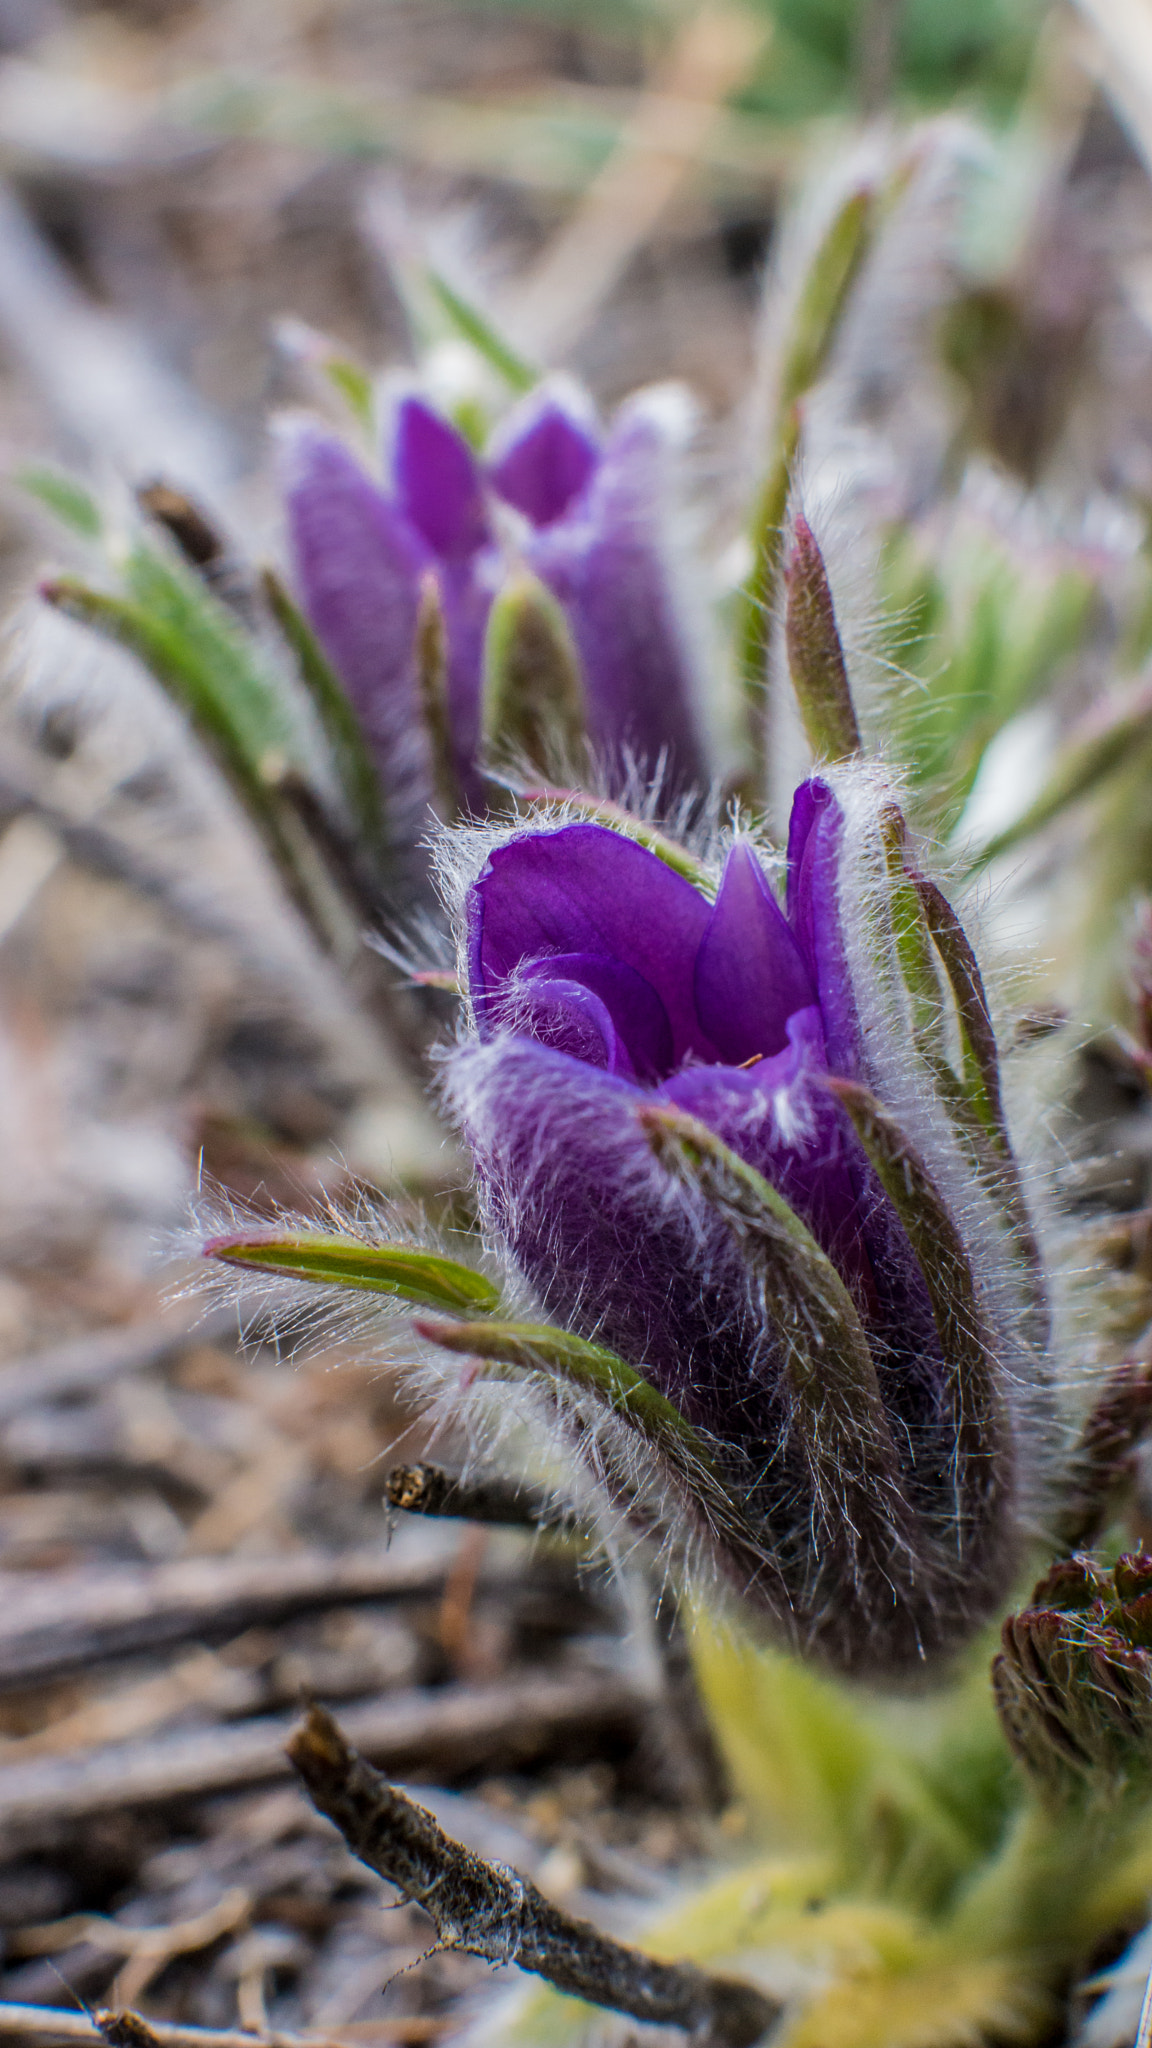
585, 515
842, 1323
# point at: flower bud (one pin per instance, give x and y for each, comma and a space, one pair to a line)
712, 1135
1073, 1681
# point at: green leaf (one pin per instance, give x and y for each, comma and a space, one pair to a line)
213, 666
912, 940
685, 1458
816, 653
831, 275
833, 271
1082, 766
62, 495
353, 762
540, 1347
828, 1358
428, 1279
484, 337
534, 703
980, 1423
163, 650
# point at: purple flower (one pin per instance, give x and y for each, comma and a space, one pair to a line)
588, 519
606, 987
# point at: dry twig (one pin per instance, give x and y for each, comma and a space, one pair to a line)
429, 1490
90, 1362
46, 2025
458, 1724
69, 1621
490, 1911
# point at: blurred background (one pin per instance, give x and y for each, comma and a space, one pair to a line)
201, 203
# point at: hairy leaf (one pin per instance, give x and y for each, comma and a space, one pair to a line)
428, 1279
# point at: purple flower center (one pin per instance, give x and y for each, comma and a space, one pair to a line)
584, 921
585, 942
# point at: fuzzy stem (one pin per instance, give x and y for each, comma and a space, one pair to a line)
1034, 1896
831, 275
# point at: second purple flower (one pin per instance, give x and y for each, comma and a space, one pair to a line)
585, 515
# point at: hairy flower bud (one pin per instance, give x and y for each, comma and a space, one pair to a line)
706, 1128
1073, 1681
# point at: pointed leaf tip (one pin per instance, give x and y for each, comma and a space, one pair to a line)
428, 1279
815, 651
534, 701
541, 1347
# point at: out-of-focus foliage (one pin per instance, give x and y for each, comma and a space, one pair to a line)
979, 630
942, 53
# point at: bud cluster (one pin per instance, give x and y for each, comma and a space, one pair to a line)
1073, 1680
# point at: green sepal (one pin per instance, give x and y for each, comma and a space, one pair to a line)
64, 497
347, 378
816, 653
940, 1254
540, 1347
354, 386
432, 656
355, 768
534, 707
427, 1279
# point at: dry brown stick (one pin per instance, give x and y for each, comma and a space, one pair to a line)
44, 2024
60, 1622
429, 1490
456, 1726
490, 1911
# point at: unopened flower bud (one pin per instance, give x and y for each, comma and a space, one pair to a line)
1073, 1681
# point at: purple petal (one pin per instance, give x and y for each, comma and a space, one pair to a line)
466, 595
776, 1116
545, 464
570, 1181
902, 1324
357, 565
639, 1021
570, 1018
605, 562
437, 481
815, 844
585, 889
750, 974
